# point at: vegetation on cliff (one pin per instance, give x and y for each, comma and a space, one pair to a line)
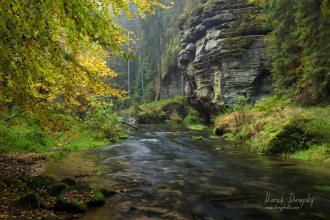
300, 47
297, 126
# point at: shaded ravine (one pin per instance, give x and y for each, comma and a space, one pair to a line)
161, 173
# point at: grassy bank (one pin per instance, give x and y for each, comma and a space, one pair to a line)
277, 126
175, 110
58, 133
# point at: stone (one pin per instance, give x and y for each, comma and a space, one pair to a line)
224, 56
55, 189
69, 181
70, 205
41, 182
18, 184
2, 185
106, 192
97, 199
30, 200
78, 198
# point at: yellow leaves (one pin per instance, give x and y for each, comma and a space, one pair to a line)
55, 50
96, 65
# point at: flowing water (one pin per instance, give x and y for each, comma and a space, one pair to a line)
160, 172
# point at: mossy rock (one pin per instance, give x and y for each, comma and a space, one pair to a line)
97, 199
70, 205
55, 189
220, 131
196, 127
107, 193
69, 181
41, 182
31, 200
285, 138
18, 184
78, 198
152, 117
2, 185
197, 138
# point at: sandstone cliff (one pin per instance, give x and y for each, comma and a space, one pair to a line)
224, 55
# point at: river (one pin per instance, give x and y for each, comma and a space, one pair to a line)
160, 172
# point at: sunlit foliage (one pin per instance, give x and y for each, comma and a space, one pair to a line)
52, 51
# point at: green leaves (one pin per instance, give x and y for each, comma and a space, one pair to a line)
42, 44
300, 47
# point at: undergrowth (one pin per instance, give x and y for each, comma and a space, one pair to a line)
59, 133
278, 126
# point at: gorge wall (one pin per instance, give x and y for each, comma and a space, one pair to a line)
224, 55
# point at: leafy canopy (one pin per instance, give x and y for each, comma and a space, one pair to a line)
52, 51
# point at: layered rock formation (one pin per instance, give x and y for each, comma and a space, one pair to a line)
224, 55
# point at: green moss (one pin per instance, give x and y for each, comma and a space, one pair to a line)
97, 199
69, 181
281, 137
107, 193
41, 182
316, 153
158, 112
70, 205
197, 138
277, 126
237, 43
15, 183
325, 188
197, 127
30, 200
56, 189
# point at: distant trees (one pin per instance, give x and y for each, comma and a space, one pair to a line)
300, 50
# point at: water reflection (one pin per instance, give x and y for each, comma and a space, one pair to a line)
166, 175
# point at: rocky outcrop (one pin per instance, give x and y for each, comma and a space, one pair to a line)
224, 55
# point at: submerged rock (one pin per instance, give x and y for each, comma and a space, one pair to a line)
69, 182
78, 198
107, 193
98, 199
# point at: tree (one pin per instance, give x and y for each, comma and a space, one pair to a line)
53, 51
300, 50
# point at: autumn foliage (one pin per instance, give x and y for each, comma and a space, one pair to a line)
53, 52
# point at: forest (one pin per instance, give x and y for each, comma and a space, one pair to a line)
161, 109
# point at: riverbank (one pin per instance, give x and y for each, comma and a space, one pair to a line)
26, 194
278, 126
56, 134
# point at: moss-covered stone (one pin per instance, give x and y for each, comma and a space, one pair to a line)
174, 109
2, 185
97, 199
287, 137
77, 199
55, 189
30, 200
15, 183
41, 181
69, 181
197, 138
70, 205
107, 193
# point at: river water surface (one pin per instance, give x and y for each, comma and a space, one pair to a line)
159, 172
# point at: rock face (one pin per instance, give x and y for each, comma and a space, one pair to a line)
224, 55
